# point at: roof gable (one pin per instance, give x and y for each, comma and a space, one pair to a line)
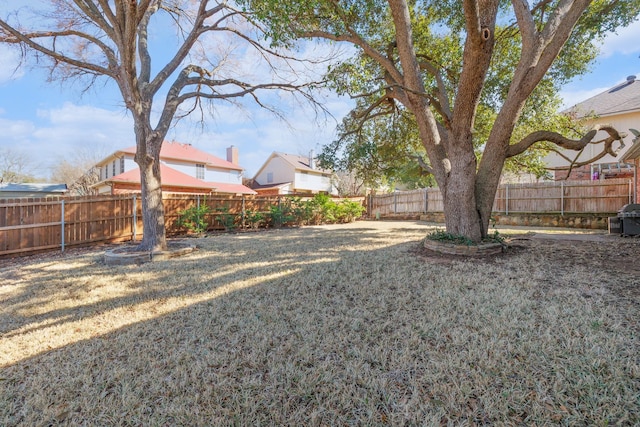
300, 163
622, 98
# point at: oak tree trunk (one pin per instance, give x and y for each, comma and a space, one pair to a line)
462, 216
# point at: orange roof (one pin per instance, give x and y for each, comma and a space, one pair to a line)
223, 187
178, 151
174, 178
170, 177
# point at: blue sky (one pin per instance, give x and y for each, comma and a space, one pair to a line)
50, 121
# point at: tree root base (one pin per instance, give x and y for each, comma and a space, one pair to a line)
128, 255
452, 249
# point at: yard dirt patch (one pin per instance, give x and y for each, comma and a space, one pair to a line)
333, 325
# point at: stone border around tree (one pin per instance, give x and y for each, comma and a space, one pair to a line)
127, 256
471, 250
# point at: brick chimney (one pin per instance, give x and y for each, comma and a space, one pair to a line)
232, 155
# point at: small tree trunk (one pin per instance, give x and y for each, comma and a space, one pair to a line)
152, 208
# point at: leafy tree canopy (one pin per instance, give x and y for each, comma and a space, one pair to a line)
379, 139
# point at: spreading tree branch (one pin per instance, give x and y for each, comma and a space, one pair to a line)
567, 143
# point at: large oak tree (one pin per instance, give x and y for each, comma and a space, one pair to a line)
92, 39
438, 59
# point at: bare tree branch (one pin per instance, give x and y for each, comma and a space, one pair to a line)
12, 36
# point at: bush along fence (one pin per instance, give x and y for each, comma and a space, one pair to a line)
560, 197
30, 225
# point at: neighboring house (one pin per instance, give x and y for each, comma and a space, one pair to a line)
183, 168
619, 107
290, 174
15, 191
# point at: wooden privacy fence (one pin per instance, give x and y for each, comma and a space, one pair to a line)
38, 224
604, 196
31, 224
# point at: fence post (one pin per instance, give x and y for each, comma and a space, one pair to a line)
395, 202
630, 192
561, 198
506, 199
243, 211
135, 217
426, 200
62, 226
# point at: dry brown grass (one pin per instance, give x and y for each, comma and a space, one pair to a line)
334, 325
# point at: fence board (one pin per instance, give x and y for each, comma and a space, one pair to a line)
605, 196
29, 225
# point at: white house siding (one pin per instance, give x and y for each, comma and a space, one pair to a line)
107, 168
103, 189
279, 168
210, 174
223, 175
621, 122
312, 182
187, 168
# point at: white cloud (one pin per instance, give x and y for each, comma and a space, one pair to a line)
60, 132
624, 42
10, 65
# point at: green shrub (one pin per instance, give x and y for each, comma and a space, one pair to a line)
324, 209
495, 237
254, 219
443, 236
349, 211
301, 210
226, 218
194, 218
280, 215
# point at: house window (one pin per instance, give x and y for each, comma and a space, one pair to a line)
200, 171
269, 177
114, 168
121, 164
106, 172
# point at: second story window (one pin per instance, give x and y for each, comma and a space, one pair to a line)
200, 171
114, 168
121, 164
269, 177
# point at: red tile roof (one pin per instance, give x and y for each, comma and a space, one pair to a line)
174, 178
170, 177
178, 151
223, 187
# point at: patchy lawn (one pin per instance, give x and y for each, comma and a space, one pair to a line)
334, 325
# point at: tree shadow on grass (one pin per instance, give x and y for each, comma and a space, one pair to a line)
307, 326
52, 294
310, 327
